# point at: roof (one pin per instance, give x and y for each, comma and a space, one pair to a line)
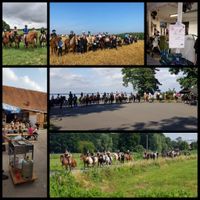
25, 99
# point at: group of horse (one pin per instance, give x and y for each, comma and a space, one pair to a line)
98, 159
9, 39
87, 99
83, 44
171, 153
166, 154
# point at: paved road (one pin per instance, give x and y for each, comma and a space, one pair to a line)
134, 116
38, 188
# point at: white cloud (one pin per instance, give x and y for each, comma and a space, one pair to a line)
19, 14
9, 75
10, 78
101, 79
32, 85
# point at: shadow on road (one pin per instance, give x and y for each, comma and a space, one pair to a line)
57, 113
171, 124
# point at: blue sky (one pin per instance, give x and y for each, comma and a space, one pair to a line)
27, 78
63, 80
97, 17
185, 136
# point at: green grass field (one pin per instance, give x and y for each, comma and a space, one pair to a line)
23, 56
141, 178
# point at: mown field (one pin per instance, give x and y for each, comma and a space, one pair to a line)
23, 56
160, 178
126, 55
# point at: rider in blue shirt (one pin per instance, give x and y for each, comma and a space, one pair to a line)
60, 45
25, 31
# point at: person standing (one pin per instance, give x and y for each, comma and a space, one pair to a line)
25, 32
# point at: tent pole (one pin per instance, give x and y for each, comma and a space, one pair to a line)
179, 18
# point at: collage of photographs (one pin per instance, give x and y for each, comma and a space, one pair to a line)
99, 99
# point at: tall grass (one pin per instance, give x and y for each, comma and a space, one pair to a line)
160, 178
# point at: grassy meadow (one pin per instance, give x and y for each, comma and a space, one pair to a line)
23, 56
132, 54
141, 178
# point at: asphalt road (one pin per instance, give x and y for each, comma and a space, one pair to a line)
38, 188
133, 116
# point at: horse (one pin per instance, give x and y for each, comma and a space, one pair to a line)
128, 157
104, 159
68, 162
121, 157
43, 39
31, 39
115, 155
70, 44
87, 160
54, 44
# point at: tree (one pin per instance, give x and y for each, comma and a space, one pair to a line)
84, 146
183, 145
189, 77
5, 26
194, 145
142, 79
128, 141
139, 149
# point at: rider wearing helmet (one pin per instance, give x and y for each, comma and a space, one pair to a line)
53, 34
15, 31
71, 35
42, 31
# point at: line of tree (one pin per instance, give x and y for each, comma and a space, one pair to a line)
139, 35
135, 142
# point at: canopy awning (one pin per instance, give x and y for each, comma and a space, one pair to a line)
10, 108
184, 91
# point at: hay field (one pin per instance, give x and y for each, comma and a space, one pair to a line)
126, 55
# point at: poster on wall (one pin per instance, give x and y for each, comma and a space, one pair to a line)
177, 36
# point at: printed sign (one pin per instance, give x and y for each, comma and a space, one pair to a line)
177, 36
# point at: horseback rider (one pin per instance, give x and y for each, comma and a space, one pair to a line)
42, 31
71, 35
25, 32
53, 34
15, 31
88, 153
67, 155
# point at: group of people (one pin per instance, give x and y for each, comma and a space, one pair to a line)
25, 129
88, 99
13, 34
118, 97
88, 41
100, 158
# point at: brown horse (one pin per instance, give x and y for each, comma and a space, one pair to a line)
68, 162
7, 39
54, 44
31, 39
128, 157
70, 44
